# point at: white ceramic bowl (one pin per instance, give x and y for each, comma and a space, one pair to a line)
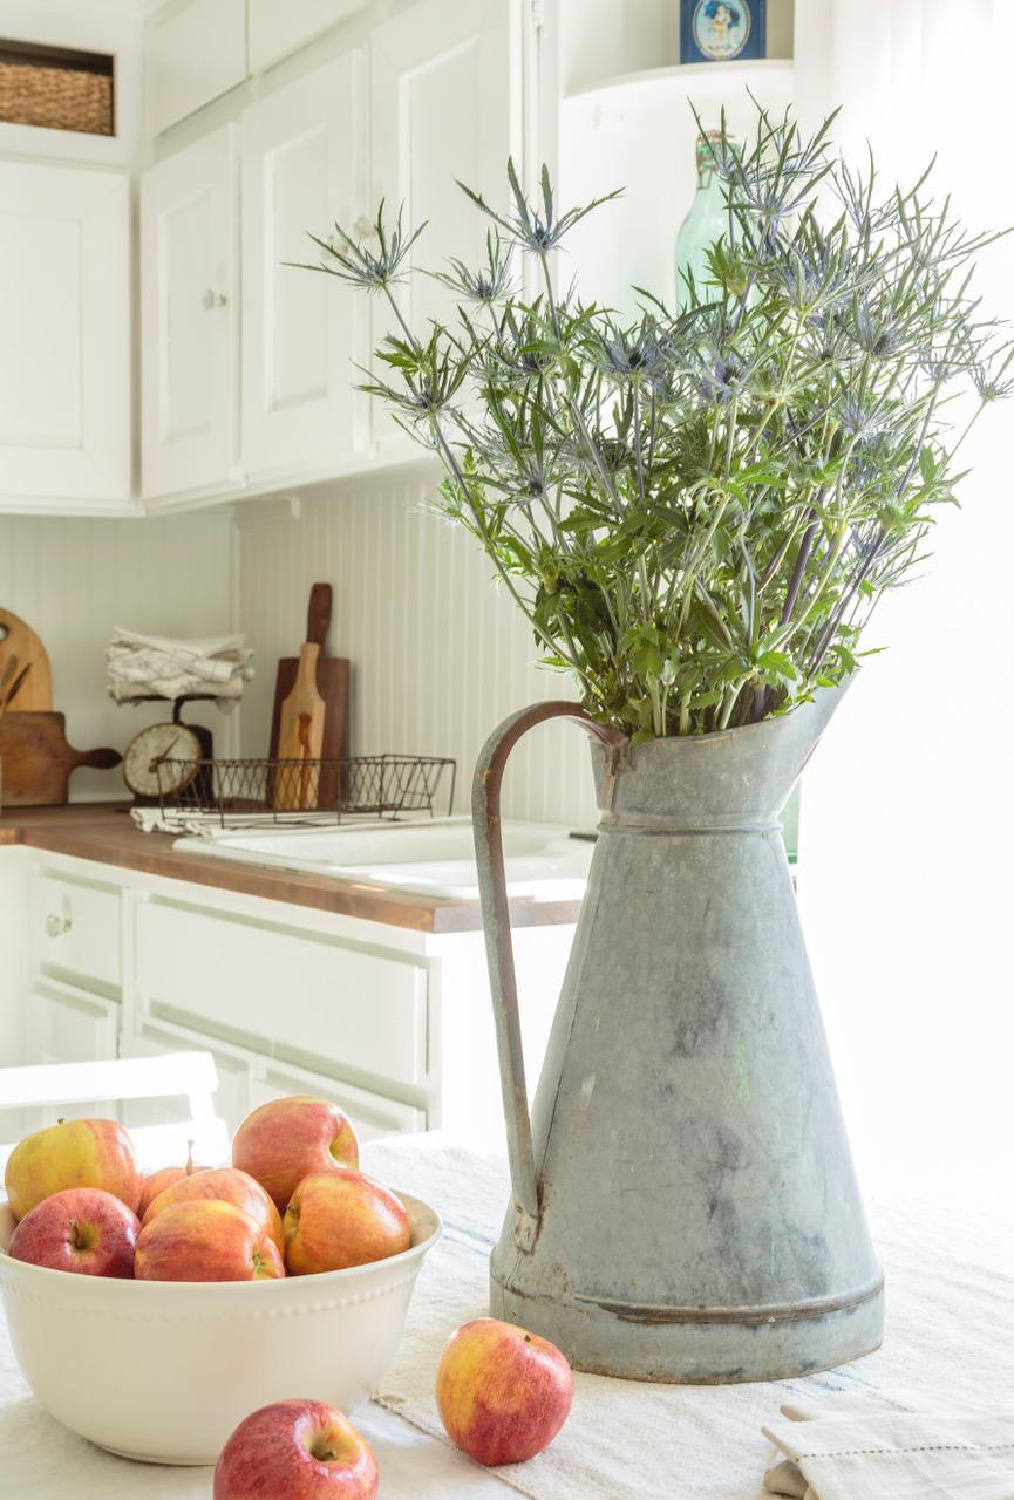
164, 1371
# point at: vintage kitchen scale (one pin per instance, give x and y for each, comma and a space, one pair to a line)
167, 757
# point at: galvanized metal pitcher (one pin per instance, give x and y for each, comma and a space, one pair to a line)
685, 1206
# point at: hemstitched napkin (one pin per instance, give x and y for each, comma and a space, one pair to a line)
858, 1448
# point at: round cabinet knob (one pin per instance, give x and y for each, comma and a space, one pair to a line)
214, 299
57, 926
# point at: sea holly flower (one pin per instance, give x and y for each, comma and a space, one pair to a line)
698, 510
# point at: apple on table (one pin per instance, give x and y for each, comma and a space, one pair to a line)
503, 1393
286, 1139
303, 1450
83, 1230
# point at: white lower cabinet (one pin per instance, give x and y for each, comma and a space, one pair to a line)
371, 1114
234, 1068
64, 1025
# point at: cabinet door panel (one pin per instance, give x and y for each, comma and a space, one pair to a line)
303, 167
64, 333
64, 1026
188, 231
446, 106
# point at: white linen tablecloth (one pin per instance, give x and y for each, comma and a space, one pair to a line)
950, 1334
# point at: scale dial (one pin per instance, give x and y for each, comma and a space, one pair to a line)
161, 742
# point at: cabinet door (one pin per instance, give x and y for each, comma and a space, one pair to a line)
304, 165
276, 30
446, 106
188, 330
371, 1114
64, 335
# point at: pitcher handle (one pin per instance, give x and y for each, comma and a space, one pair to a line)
499, 947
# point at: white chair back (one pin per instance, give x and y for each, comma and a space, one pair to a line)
187, 1076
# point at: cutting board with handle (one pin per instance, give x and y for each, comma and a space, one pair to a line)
300, 737
333, 674
19, 640
36, 762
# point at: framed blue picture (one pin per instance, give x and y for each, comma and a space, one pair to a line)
717, 31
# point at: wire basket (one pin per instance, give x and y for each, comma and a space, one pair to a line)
257, 792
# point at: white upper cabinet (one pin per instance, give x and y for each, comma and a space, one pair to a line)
276, 30
193, 53
65, 403
446, 105
304, 165
190, 390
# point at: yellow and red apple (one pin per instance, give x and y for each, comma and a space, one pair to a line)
206, 1241
222, 1185
284, 1141
503, 1394
303, 1450
157, 1182
340, 1219
83, 1230
72, 1154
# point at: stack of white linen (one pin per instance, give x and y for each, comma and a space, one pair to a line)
142, 666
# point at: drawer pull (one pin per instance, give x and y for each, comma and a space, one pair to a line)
57, 926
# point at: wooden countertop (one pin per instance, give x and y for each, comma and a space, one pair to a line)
105, 832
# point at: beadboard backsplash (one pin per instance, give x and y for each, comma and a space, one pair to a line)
73, 581
440, 653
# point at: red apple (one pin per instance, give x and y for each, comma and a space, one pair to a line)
223, 1185
503, 1394
206, 1241
157, 1182
341, 1219
72, 1154
286, 1140
81, 1229
303, 1450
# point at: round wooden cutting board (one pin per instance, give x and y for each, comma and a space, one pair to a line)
18, 639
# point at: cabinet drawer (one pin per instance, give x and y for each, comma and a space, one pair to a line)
77, 930
359, 1008
232, 1097
371, 1114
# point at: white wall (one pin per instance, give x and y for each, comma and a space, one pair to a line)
74, 581
440, 653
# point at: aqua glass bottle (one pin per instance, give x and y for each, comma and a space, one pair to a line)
706, 222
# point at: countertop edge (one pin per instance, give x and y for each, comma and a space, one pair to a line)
103, 834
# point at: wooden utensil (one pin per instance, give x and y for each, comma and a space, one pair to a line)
18, 639
333, 674
300, 736
36, 761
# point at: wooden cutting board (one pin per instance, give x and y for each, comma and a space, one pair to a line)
18, 639
36, 761
300, 737
333, 674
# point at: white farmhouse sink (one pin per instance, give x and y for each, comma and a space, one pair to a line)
437, 856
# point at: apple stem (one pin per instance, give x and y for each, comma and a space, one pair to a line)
190, 1158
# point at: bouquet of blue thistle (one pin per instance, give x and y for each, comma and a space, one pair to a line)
698, 511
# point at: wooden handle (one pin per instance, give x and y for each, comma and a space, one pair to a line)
306, 676
98, 760
318, 615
